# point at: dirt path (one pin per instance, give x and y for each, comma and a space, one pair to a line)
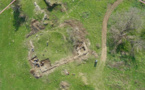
104, 29
142, 1
30, 51
7, 7
99, 70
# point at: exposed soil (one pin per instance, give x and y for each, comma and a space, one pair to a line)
30, 51
64, 85
78, 30
117, 65
38, 67
35, 27
101, 65
142, 1
84, 79
104, 29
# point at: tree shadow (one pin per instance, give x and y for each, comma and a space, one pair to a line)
18, 17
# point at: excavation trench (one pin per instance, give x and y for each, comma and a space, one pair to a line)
39, 71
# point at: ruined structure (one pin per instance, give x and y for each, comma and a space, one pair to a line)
77, 34
39, 67
35, 27
81, 48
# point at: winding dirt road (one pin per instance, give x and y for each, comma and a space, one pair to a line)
104, 29
99, 70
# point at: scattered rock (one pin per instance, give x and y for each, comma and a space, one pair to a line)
39, 67
51, 2
64, 85
117, 65
35, 73
95, 54
98, 46
65, 72
45, 19
37, 8
45, 22
64, 7
84, 79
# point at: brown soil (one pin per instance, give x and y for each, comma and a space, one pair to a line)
64, 85
104, 29
30, 51
84, 79
74, 24
99, 70
65, 61
142, 1
117, 65
35, 27
78, 30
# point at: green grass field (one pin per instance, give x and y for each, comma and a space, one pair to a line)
14, 66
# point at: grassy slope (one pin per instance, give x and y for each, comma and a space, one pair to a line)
14, 66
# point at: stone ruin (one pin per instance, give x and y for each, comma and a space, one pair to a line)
81, 48
64, 85
39, 67
35, 27
77, 34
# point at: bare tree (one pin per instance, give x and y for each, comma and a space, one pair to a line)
125, 26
